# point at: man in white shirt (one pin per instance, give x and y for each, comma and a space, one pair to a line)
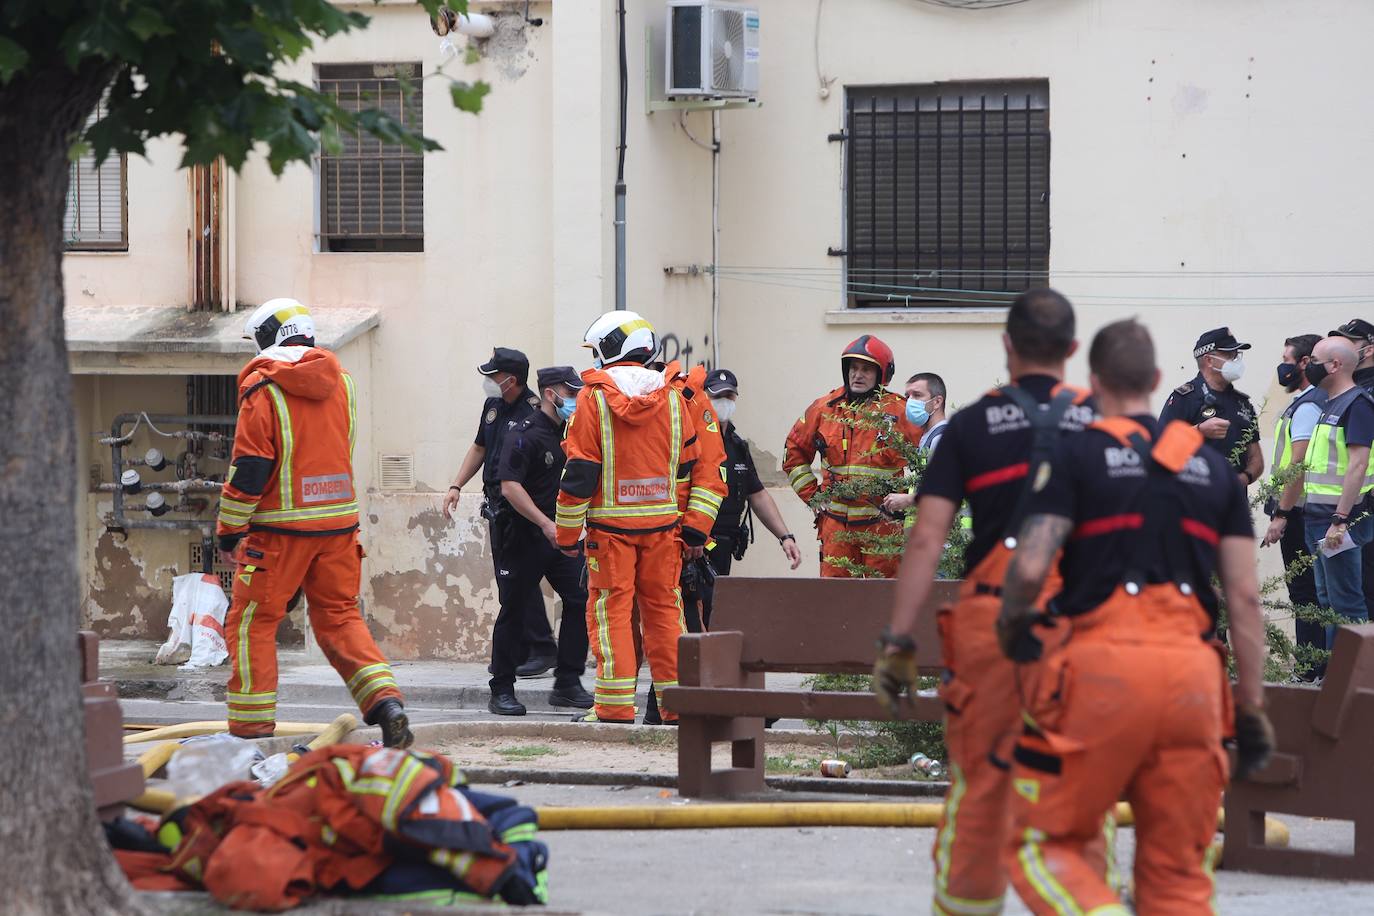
1291, 436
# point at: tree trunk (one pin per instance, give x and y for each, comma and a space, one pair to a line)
55, 859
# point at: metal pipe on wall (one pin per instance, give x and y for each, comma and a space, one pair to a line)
715, 238
620, 167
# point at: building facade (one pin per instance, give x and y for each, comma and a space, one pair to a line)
908, 166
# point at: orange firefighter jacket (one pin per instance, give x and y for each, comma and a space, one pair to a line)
710, 437
292, 466
830, 428
626, 453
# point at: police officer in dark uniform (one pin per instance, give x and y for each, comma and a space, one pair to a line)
1211, 402
528, 468
733, 531
508, 402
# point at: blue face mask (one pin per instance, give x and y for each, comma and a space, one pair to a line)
565, 409
916, 411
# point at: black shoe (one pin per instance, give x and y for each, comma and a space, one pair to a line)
536, 666
505, 704
391, 716
572, 696
658, 720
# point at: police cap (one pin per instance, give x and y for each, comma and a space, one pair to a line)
722, 381
1354, 329
504, 359
1217, 339
559, 375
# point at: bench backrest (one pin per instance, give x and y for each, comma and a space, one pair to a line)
819, 625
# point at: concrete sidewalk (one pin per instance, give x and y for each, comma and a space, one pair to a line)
307, 681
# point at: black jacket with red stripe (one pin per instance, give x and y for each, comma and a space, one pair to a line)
984, 458
1098, 481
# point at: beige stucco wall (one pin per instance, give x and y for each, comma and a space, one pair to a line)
1191, 142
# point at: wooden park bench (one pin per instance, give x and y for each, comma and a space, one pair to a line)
1321, 768
814, 626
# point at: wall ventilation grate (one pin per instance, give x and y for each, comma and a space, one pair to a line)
396, 472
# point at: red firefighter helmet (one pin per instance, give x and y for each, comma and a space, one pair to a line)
872, 350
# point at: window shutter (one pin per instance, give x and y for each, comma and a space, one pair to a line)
94, 217
371, 192
948, 192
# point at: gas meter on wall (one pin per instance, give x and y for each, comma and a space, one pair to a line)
712, 49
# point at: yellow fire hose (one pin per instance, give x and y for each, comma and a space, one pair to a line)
160, 801
793, 814
194, 729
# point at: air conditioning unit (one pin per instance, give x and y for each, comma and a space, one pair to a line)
713, 49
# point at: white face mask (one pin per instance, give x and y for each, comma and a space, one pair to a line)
1232, 369
724, 408
491, 388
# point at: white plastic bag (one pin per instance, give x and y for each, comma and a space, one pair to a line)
208, 605
205, 763
178, 622
196, 622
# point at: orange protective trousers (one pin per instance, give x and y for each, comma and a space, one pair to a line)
828, 530
1135, 704
271, 567
624, 570
982, 692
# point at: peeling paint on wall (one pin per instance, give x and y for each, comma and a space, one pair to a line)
433, 591
508, 47
127, 598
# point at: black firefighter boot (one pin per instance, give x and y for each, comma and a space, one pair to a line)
391, 716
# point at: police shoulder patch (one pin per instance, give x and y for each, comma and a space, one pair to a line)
491, 415
1185, 388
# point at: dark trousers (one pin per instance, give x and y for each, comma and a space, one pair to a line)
1302, 589
529, 561
536, 632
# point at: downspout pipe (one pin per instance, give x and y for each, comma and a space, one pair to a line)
620, 168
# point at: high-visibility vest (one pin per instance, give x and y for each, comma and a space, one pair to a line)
1283, 430
1327, 456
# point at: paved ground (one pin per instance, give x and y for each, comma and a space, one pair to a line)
793, 871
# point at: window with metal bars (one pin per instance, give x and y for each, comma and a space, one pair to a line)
97, 216
371, 193
947, 193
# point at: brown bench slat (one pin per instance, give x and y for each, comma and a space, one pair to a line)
805, 704
783, 631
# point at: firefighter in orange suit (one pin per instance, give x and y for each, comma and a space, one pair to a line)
630, 442
831, 428
288, 516
983, 460
1136, 702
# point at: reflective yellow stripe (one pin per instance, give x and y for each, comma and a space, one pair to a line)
674, 435
366, 672
352, 411
863, 470
632, 511
291, 311
252, 715
345, 770
1040, 877
287, 447
245, 670
250, 697
607, 450
603, 632
336, 510
705, 495
373, 686
944, 840
236, 506
409, 770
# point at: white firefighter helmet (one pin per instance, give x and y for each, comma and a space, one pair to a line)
278, 320
620, 335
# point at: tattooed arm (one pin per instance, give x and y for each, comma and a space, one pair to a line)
1037, 545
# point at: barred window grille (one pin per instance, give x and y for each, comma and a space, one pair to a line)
97, 216
947, 193
372, 193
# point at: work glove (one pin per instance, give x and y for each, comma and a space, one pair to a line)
1254, 740
894, 670
1016, 636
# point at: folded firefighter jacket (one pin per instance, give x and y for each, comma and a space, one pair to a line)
357, 819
